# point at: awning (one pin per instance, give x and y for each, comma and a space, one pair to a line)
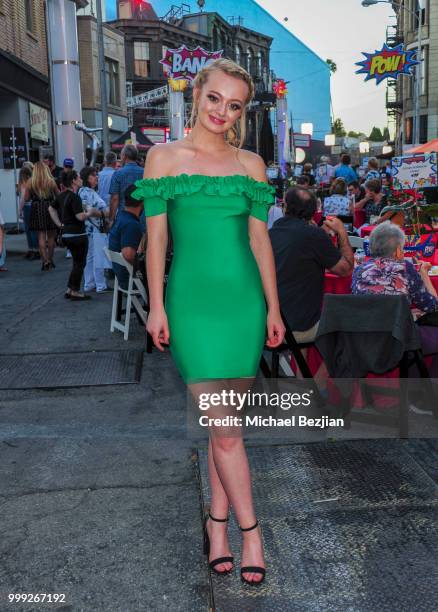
428, 147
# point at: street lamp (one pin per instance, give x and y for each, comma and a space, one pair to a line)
367, 3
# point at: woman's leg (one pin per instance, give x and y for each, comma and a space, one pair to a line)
89, 280
51, 236
230, 481
78, 248
42, 246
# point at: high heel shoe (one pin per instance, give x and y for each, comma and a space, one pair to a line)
212, 564
249, 568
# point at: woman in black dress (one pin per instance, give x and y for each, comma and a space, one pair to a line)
42, 192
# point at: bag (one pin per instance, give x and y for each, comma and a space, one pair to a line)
431, 318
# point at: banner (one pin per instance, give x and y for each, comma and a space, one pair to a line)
421, 245
388, 63
184, 63
414, 171
39, 122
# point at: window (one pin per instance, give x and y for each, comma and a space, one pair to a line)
28, 12
238, 51
112, 82
417, 10
260, 62
423, 67
423, 129
142, 64
249, 60
408, 130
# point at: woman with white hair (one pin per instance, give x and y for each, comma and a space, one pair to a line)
387, 272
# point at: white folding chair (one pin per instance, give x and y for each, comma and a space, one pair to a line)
134, 291
355, 242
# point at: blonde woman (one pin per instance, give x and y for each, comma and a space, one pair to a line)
216, 199
25, 208
41, 192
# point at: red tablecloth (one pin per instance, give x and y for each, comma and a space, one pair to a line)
342, 285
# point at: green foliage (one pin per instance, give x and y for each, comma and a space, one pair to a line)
376, 135
386, 135
352, 134
332, 65
338, 128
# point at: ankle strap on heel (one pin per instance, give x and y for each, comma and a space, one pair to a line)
249, 528
217, 520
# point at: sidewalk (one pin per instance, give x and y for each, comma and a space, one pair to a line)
100, 487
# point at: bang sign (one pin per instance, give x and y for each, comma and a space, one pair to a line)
184, 63
388, 63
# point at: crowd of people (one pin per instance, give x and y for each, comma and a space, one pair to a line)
82, 211
86, 210
304, 251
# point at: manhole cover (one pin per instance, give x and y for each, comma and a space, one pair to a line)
60, 370
346, 526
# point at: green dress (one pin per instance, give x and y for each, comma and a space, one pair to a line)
214, 299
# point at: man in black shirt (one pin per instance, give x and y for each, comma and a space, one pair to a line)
303, 251
56, 171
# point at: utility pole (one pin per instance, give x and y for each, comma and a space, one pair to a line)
102, 79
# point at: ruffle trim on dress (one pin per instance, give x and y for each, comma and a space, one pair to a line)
167, 187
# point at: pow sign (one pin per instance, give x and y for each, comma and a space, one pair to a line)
388, 63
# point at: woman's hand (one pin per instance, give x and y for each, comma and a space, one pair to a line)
276, 329
425, 266
93, 212
158, 327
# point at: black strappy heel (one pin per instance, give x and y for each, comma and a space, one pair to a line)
252, 569
212, 564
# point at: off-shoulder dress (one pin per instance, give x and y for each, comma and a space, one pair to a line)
214, 299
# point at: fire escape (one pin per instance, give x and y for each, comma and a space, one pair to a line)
394, 91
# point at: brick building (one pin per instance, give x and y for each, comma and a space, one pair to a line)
114, 50
24, 81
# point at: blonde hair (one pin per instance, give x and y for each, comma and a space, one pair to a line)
236, 134
42, 182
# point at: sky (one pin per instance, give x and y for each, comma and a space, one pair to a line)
341, 30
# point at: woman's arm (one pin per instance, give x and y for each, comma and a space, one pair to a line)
55, 217
157, 237
261, 247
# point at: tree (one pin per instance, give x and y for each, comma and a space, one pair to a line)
386, 135
376, 135
352, 134
338, 128
331, 64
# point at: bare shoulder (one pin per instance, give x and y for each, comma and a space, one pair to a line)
254, 165
162, 158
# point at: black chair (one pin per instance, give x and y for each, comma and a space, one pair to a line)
361, 334
290, 344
